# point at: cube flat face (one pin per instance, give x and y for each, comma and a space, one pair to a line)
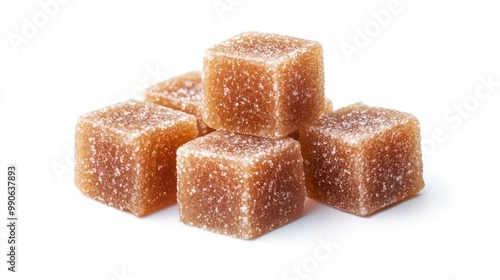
99, 152
263, 84
360, 159
328, 165
239, 185
300, 80
125, 154
278, 192
184, 93
210, 193
392, 167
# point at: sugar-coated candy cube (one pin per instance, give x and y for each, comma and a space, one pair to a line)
263, 84
182, 93
360, 159
240, 185
125, 154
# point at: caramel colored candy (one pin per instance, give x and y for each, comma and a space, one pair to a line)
125, 154
240, 185
263, 84
360, 159
181, 93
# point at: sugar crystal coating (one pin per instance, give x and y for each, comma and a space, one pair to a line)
125, 154
328, 108
240, 185
263, 84
184, 93
360, 159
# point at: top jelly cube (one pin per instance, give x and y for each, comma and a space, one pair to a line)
182, 93
125, 154
263, 84
360, 159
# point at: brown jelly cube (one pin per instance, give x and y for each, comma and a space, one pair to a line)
182, 93
263, 84
240, 185
360, 159
125, 154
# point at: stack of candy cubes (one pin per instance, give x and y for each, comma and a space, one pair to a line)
241, 144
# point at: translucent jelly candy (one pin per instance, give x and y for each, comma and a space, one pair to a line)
360, 159
125, 154
182, 93
263, 84
240, 185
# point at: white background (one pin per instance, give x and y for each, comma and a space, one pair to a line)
428, 60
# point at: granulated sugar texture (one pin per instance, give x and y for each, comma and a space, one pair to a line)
182, 93
263, 84
360, 159
125, 154
240, 185
241, 143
